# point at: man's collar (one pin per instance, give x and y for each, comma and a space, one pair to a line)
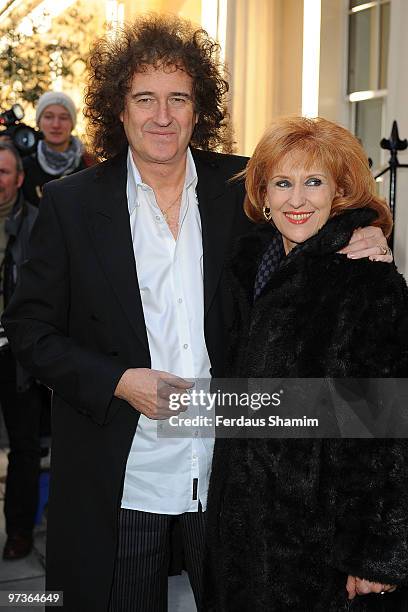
13, 221
191, 171
6, 209
135, 180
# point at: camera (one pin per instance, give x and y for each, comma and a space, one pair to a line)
24, 138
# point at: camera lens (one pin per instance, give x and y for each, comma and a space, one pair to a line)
24, 138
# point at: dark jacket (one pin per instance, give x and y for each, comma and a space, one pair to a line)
76, 322
288, 520
36, 177
18, 228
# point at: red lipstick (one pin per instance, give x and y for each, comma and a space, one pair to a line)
298, 218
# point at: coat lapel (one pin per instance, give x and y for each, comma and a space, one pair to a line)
217, 210
110, 230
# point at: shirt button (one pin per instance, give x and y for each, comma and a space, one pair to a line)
179, 300
185, 346
158, 218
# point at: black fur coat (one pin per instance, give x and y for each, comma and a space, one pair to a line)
288, 520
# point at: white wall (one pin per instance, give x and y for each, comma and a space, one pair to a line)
333, 62
264, 57
397, 108
251, 63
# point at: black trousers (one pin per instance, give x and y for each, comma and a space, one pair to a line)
141, 571
22, 414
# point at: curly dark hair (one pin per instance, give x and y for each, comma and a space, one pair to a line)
155, 40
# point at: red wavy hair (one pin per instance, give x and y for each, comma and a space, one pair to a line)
325, 144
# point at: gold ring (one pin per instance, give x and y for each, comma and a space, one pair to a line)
383, 249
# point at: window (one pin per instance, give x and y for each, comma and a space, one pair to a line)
369, 26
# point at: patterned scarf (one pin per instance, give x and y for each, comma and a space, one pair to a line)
270, 262
59, 163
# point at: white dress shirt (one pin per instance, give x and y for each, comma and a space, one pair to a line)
160, 471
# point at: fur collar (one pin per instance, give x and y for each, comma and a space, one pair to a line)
333, 236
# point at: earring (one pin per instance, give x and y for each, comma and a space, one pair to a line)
267, 212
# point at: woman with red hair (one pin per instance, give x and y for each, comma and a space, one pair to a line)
311, 525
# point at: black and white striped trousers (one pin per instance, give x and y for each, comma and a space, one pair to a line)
141, 570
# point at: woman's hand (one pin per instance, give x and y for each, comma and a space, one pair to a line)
358, 586
368, 242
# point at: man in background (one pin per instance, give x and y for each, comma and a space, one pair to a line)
60, 152
21, 398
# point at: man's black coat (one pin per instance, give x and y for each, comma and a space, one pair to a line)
76, 323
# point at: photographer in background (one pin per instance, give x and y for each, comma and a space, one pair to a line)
22, 399
60, 153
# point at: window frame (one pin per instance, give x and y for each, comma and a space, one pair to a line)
354, 97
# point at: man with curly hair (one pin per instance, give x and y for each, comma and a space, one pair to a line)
122, 303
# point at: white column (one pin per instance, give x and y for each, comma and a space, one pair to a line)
311, 57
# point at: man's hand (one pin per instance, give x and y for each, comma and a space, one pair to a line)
358, 586
368, 242
148, 391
